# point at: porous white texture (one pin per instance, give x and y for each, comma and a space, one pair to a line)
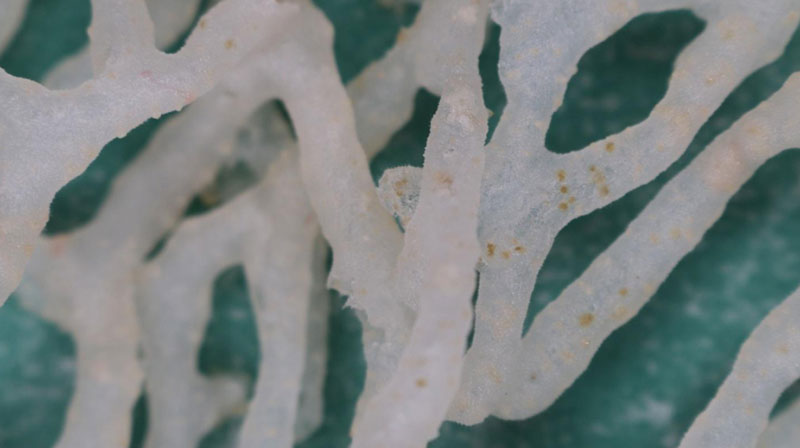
494, 207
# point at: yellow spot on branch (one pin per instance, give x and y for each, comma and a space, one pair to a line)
586, 319
620, 312
495, 375
444, 179
402, 35
610, 147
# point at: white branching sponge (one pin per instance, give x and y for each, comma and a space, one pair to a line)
407, 253
49, 137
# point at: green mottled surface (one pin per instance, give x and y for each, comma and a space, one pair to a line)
648, 380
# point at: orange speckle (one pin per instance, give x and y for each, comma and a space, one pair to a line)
519, 249
604, 190
564, 189
571, 199
586, 319
402, 35
230, 44
444, 179
562, 175
755, 130
592, 168
398, 187
495, 375
563, 206
610, 147
210, 197
421, 382
728, 34
623, 292
202, 24
506, 255
58, 244
490, 249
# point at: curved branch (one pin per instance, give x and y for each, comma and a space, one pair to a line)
278, 267
767, 364
566, 334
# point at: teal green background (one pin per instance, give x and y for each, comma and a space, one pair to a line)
649, 379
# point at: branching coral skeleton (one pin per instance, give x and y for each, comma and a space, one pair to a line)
474, 207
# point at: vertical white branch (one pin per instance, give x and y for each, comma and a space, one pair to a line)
565, 335
310, 408
436, 269
278, 267
174, 304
